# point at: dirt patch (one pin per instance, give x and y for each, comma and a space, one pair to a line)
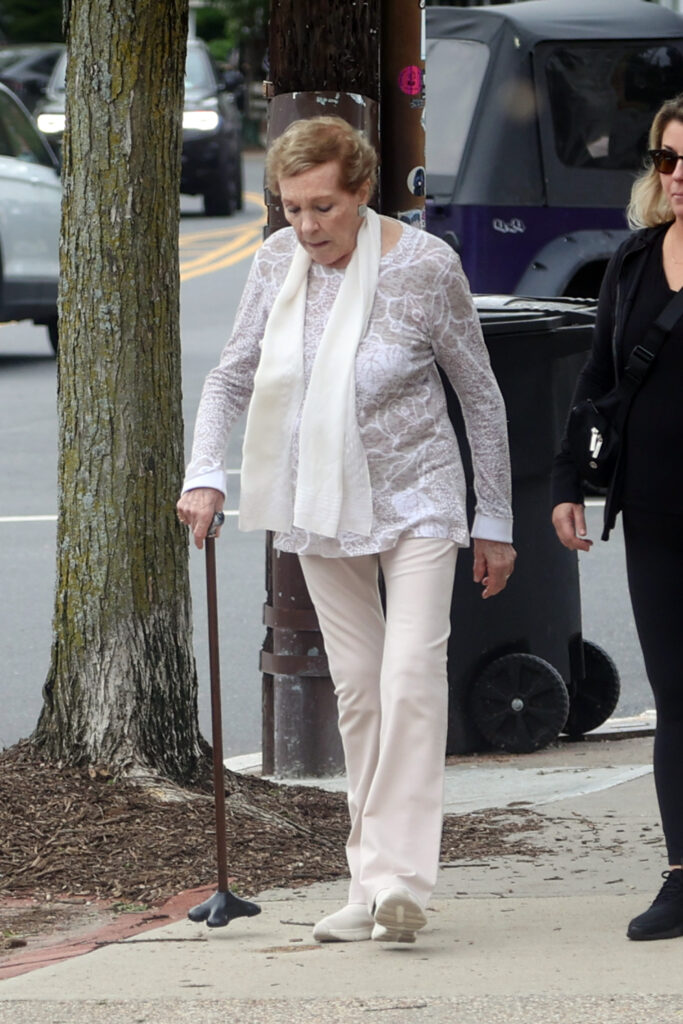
78, 845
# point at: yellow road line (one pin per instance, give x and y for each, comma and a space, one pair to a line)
197, 236
255, 197
213, 254
240, 242
229, 261
226, 232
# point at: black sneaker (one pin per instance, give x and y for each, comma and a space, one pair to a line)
664, 919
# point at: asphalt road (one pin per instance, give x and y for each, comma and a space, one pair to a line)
215, 257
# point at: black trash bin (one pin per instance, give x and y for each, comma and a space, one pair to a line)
519, 670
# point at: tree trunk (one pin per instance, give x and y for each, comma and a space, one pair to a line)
122, 687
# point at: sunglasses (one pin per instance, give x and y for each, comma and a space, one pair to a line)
664, 160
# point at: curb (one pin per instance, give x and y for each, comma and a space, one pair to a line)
46, 953
613, 729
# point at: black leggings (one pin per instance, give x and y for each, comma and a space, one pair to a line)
654, 563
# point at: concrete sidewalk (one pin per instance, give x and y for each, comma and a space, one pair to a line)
509, 939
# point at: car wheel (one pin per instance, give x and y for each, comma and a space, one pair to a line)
220, 199
53, 333
239, 183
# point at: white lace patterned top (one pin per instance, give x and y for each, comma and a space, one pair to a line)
423, 313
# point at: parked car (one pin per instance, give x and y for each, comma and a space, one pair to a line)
212, 132
26, 69
537, 119
30, 201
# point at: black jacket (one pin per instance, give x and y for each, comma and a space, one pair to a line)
607, 360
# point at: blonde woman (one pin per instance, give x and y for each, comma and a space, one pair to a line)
639, 282
349, 456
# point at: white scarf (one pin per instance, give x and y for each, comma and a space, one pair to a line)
333, 483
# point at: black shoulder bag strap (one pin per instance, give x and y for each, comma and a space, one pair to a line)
643, 356
636, 370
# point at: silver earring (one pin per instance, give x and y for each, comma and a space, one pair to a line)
362, 210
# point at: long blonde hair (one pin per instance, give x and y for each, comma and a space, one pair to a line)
649, 205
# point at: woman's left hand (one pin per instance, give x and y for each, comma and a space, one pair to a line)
494, 562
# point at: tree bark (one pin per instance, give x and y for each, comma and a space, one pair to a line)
122, 686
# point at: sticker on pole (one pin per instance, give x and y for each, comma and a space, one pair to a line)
416, 181
410, 80
416, 218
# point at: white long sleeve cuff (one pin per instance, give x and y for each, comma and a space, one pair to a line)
215, 478
492, 528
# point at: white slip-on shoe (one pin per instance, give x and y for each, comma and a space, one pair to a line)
382, 934
351, 924
398, 915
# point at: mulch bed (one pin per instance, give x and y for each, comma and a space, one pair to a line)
68, 832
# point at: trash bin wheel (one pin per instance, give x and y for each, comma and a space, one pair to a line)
593, 698
519, 703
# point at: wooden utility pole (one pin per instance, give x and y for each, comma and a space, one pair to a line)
325, 59
402, 110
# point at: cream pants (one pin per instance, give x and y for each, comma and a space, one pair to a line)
392, 697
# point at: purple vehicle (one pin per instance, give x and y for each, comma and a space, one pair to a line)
537, 120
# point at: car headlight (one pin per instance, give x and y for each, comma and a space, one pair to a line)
200, 120
51, 124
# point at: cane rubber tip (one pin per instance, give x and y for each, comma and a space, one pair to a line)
221, 908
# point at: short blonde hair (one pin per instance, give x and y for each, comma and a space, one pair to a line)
318, 140
649, 205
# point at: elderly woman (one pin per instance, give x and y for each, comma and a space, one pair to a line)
349, 456
639, 282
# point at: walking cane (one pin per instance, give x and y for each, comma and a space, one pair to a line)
223, 906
